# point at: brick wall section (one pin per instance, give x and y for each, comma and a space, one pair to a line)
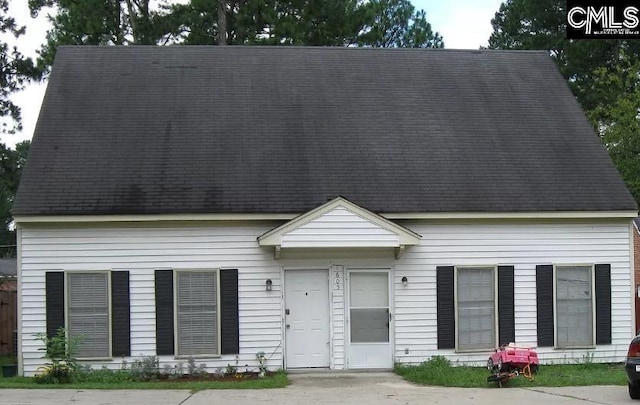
636, 255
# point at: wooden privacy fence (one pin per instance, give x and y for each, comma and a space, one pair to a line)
8, 322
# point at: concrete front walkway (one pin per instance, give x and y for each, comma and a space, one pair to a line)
331, 388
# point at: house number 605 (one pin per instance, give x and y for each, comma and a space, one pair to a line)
338, 280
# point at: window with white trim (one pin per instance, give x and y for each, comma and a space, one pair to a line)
475, 308
198, 330
88, 320
574, 306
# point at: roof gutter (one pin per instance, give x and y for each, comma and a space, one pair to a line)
37, 219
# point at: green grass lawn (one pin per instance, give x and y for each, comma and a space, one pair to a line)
438, 371
276, 380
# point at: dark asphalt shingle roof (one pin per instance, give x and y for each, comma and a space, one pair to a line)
190, 129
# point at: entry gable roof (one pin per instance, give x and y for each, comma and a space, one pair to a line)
339, 223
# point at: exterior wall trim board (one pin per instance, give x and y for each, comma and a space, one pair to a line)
39, 219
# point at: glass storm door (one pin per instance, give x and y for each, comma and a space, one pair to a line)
369, 320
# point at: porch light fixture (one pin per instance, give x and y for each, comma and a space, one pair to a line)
269, 284
405, 281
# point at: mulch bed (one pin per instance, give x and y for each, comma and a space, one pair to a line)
209, 377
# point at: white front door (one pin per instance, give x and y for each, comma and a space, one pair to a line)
369, 320
307, 318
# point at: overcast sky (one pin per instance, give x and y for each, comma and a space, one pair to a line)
464, 24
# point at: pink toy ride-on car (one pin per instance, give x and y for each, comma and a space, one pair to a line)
511, 358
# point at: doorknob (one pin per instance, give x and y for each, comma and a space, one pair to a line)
288, 326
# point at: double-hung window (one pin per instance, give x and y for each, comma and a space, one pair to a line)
476, 308
197, 312
198, 320
574, 306
88, 313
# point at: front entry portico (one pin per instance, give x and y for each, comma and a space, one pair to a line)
339, 316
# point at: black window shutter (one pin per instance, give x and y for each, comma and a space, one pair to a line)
445, 308
164, 312
544, 300
230, 326
603, 304
506, 310
120, 314
54, 290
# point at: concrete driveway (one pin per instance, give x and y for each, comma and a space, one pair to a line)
330, 388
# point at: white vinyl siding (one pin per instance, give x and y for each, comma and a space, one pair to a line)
197, 313
574, 306
143, 248
338, 317
88, 313
475, 304
523, 244
339, 228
